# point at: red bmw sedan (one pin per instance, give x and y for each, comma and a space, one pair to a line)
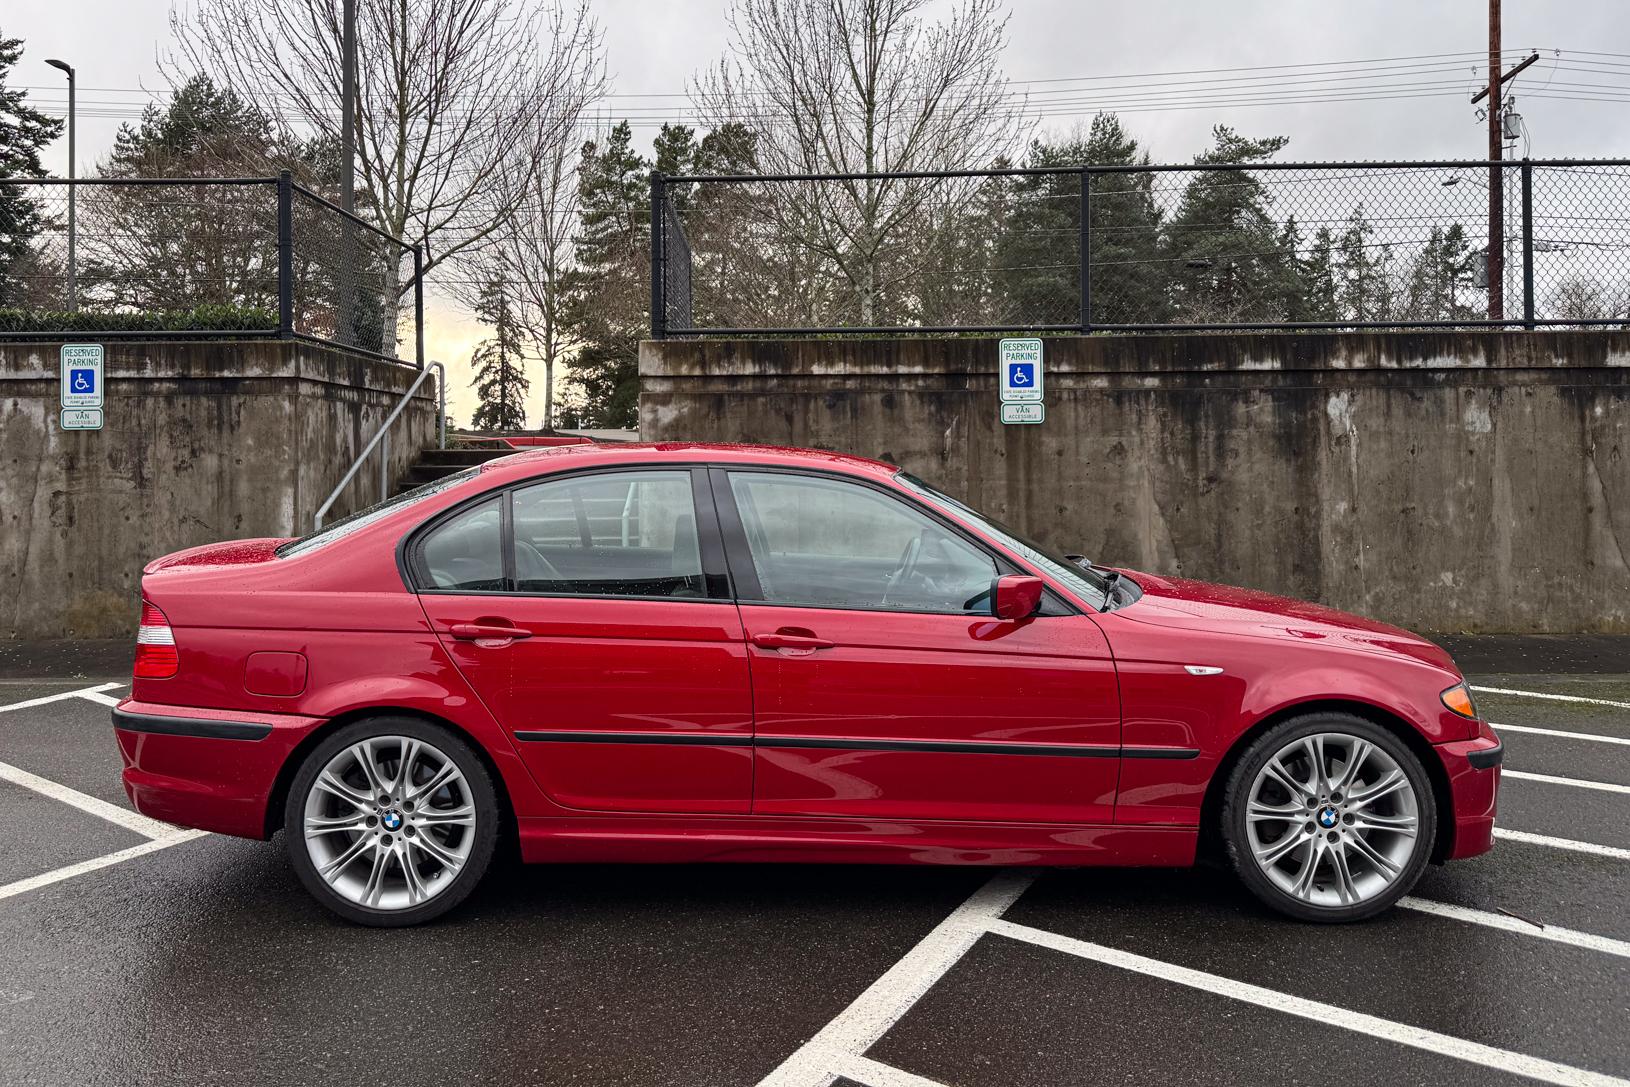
685, 652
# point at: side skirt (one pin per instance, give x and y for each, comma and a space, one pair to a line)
625, 839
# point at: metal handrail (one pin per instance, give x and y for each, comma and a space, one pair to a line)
381, 438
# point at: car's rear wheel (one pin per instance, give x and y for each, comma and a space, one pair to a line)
391, 821
1329, 817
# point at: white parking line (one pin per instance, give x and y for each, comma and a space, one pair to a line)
1589, 941
141, 824
94, 696
83, 692
1625, 740
1553, 697
875, 1073
1577, 783
1333, 1014
1563, 843
23, 886
877, 1009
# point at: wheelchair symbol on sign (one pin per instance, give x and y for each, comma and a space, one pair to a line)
82, 381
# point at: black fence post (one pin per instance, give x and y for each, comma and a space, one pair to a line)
285, 255
418, 305
659, 284
1527, 244
1086, 252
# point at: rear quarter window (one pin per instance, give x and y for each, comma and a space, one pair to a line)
361, 519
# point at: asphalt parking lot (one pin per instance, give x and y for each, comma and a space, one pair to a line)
131, 953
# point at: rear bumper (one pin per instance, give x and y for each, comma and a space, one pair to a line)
209, 769
1473, 768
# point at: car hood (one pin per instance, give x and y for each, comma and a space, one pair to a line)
1201, 605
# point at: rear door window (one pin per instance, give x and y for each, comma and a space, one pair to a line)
611, 534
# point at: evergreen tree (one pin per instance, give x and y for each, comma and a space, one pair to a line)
500, 377
1365, 287
23, 131
609, 310
1038, 258
1318, 271
1225, 253
155, 249
1431, 290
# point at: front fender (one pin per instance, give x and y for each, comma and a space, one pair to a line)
1163, 705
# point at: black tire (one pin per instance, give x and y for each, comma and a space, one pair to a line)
1235, 835
482, 796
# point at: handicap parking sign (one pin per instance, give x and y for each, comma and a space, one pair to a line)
81, 375
1021, 370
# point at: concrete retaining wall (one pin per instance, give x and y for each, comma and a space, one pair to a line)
203, 441
1442, 481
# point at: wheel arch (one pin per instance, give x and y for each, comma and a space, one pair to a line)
277, 799
1211, 806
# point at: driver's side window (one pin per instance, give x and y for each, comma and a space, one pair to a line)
828, 543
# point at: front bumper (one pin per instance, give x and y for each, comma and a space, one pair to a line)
1473, 769
210, 769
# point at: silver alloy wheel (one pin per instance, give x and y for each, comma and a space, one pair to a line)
1332, 819
389, 822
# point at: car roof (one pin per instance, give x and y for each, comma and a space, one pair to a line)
565, 457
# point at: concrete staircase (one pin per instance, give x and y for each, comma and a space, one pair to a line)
434, 464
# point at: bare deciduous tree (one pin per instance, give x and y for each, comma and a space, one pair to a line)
1583, 298
533, 247
864, 86
445, 90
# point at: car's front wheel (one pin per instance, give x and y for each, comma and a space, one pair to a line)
391, 821
1329, 817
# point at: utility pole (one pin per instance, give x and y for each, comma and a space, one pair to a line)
348, 102
1496, 249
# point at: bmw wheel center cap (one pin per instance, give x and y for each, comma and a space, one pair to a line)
1328, 817
392, 819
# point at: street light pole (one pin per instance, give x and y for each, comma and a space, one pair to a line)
348, 103
73, 292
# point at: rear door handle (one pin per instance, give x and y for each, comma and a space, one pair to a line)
780, 640
470, 632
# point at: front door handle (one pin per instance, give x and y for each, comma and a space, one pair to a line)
473, 632
784, 639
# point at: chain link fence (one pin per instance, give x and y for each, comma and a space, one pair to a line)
245, 257
1263, 245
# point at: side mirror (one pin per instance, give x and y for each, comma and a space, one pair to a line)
1016, 597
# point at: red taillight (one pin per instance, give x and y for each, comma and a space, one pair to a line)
155, 645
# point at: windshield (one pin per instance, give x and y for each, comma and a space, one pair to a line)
1090, 585
365, 517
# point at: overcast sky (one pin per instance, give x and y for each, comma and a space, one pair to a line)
1173, 46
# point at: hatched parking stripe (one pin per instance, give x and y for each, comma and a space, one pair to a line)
45, 879
874, 1073
1335, 1015
1589, 941
858, 1027
124, 817
83, 692
1553, 697
1563, 843
1558, 733
1577, 783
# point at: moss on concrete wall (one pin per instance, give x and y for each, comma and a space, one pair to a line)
203, 441
1455, 481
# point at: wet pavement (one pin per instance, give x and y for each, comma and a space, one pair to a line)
203, 961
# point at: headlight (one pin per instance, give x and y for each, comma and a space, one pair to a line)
1459, 699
